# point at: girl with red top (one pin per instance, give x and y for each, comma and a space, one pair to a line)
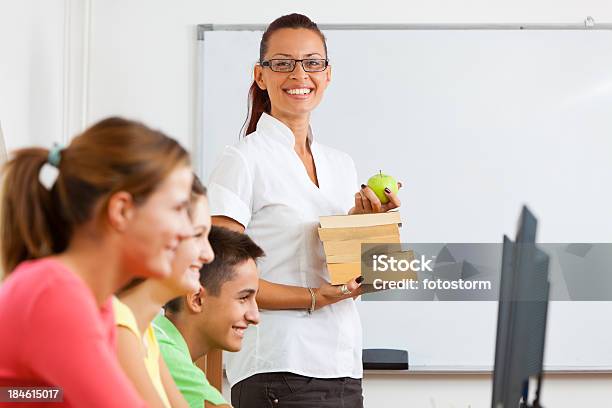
117, 209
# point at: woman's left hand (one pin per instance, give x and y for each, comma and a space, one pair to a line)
367, 202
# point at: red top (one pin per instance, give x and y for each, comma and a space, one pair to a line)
54, 334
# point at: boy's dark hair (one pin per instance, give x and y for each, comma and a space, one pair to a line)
231, 248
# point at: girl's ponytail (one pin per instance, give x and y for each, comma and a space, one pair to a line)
30, 225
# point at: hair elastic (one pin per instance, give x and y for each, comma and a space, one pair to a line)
55, 155
50, 170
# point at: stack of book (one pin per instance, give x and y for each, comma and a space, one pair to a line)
342, 236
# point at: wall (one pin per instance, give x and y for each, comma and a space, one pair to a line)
473, 391
31, 44
67, 63
42, 46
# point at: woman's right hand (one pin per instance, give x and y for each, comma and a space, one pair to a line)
328, 294
366, 201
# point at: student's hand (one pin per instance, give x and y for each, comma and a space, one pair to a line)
328, 294
367, 202
208, 404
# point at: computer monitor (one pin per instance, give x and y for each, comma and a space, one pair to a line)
521, 318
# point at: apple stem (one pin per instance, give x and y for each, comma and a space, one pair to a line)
380, 172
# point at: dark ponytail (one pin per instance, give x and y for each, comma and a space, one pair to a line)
259, 101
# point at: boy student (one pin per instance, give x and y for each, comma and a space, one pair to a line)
213, 318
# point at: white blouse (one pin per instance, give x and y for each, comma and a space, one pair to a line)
262, 183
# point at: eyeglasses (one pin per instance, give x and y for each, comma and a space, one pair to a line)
288, 65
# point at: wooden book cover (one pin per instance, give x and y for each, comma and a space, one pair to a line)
343, 258
346, 234
360, 220
344, 272
354, 246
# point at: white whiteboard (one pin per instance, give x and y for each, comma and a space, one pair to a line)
475, 123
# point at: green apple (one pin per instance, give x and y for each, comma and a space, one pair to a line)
379, 182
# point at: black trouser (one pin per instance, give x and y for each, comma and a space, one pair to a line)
276, 390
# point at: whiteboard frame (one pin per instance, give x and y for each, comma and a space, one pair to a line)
199, 137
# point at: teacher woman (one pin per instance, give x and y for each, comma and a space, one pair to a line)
274, 184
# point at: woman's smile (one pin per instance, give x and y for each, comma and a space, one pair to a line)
299, 93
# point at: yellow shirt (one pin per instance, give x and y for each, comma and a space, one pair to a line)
125, 318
